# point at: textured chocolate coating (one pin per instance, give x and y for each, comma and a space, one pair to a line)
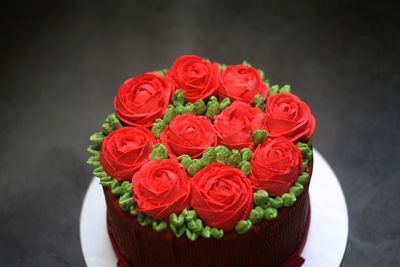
269, 243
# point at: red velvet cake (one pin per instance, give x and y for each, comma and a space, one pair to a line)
206, 164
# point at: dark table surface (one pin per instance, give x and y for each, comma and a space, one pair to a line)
62, 63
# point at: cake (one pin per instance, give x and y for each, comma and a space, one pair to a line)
205, 164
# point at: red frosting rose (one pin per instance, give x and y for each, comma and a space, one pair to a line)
241, 82
196, 77
161, 188
221, 195
125, 150
188, 134
275, 166
236, 124
288, 116
143, 99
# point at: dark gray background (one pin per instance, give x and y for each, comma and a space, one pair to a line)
62, 62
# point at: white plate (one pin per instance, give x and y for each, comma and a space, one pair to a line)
326, 240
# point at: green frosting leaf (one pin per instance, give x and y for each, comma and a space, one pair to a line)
234, 158
273, 90
246, 63
224, 103
221, 66
195, 226
99, 172
261, 198
222, 154
159, 152
243, 226
147, 220
212, 110
176, 220
106, 181
106, 128
288, 199
178, 231
217, 233
194, 166
305, 165
125, 201
189, 108
296, 189
303, 178
245, 167
161, 72
159, 226
93, 161
191, 235
208, 157
246, 154
127, 187
179, 110
97, 137
258, 102
256, 215
169, 114
309, 143
200, 108
270, 213
113, 121
285, 89
158, 126
185, 161
178, 98
259, 137
189, 215
262, 75
206, 232
94, 150
305, 150
276, 202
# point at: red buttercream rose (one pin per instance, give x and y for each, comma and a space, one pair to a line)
236, 124
221, 195
275, 166
161, 188
143, 99
196, 77
188, 134
125, 150
290, 117
241, 82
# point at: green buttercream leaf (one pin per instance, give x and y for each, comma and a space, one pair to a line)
246, 154
303, 178
222, 154
309, 143
296, 189
169, 114
306, 152
243, 226
246, 63
127, 187
194, 166
132, 210
147, 220
207, 59
106, 181
267, 83
97, 137
189, 215
188, 109
276, 202
245, 167
125, 201
256, 215
117, 190
258, 101
94, 149
185, 161
157, 128
178, 98
200, 108
208, 157
224, 103
212, 110
234, 158
159, 152
273, 90
270, 213
176, 220
191, 235
217, 233
159, 226
106, 128
113, 121
160, 72
259, 137
262, 75
195, 226
179, 110
206, 232
222, 66
288, 199
213, 99
261, 198
305, 165
285, 89
98, 172
178, 231
94, 161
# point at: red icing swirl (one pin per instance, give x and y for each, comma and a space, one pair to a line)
161, 188
188, 134
241, 82
196, 77
221, 195
290, 117
236, 124
275, 166
125, 150
143, 99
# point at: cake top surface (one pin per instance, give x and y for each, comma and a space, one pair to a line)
203, 147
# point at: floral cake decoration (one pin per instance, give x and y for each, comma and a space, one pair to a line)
204, 148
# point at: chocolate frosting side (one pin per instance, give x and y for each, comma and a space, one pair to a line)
269, 243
